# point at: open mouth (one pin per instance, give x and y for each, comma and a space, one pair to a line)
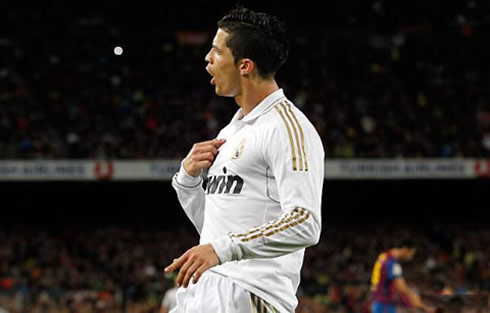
213, 80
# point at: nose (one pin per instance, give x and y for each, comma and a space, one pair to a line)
207, 58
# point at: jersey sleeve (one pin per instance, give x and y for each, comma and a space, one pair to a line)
191, 196
295, 154
394, 270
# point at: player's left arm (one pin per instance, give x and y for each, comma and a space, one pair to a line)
297, 163
395, 273
414, 298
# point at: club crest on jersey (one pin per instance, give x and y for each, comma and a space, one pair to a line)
239, 149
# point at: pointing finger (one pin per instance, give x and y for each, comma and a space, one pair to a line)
176, 264
219, 142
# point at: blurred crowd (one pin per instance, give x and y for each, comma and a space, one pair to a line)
119, 269
378, 80
450, 260
89, 270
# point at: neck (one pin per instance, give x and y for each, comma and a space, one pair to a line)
252, 93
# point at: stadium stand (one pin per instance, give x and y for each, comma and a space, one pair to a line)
106, 269
377, 80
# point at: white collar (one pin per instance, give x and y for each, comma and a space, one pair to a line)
262, 107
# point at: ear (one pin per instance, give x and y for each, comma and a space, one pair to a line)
246, 66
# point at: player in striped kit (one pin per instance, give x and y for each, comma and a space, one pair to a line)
387, 282
261, 205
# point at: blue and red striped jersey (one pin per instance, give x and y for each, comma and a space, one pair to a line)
385, 271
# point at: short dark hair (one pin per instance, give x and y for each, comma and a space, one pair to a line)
405, 243
257, 36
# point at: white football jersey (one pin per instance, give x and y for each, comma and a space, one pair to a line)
260, 206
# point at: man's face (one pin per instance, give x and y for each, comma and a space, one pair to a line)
408, 254
221, 65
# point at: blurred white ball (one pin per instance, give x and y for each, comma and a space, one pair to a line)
118, 50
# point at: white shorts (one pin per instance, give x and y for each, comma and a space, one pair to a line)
218, 294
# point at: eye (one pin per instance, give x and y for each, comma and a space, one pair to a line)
216, 51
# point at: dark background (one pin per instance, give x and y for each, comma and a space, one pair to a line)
434, 33
411, 202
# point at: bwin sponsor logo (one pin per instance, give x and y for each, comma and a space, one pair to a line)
223, 184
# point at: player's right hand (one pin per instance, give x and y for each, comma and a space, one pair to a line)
202, 156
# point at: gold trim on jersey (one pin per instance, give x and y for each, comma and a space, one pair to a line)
275, 223
259, 305
300, 153
300, 221
273, 104
295, 217
291, 142
298, 143
301, 134
252, 302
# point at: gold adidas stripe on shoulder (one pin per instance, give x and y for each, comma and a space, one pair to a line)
293, 151
273, 104
300, 153
293, 127
301, 134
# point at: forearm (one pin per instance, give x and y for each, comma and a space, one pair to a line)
414, 298
191, 196
417, 301
292, 231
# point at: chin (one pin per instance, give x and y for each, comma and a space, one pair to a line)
229, 92
223, 93
217, 90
